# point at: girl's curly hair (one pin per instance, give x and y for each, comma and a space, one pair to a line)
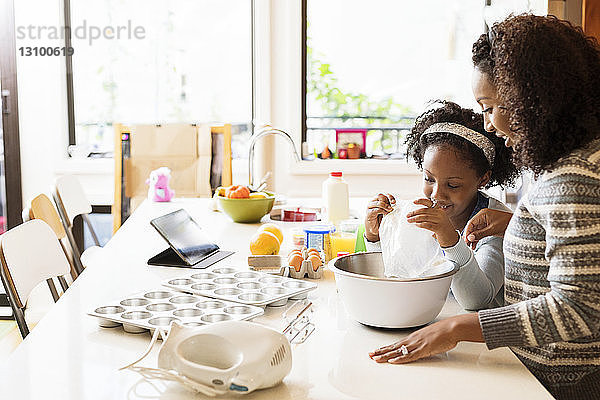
547, 75
503, 171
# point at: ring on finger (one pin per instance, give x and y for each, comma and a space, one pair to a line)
404, 350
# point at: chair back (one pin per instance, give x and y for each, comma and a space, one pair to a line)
25, 214
30, 254
221, 152
198, 155
43, 209
71, 201
70, 197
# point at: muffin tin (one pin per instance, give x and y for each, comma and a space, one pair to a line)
242, 286
157, 308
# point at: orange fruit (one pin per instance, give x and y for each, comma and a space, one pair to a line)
264, 243
237, 192
274, 229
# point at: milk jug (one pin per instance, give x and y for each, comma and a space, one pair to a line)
335, 198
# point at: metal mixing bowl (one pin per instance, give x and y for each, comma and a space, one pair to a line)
375, 300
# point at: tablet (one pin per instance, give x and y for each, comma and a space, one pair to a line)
185, 236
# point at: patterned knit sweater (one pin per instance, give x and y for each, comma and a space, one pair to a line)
551, 317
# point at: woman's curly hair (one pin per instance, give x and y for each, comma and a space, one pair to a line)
503, 171
547, 75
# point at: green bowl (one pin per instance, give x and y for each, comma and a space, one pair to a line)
246, 210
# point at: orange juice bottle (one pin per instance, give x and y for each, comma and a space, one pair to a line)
342, 242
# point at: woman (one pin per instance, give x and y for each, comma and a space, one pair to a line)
458, 158
537, 81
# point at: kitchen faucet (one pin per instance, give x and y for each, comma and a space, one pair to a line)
267, 130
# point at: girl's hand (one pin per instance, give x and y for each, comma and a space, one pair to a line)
486, 222
381, 205
431, 340
434, 219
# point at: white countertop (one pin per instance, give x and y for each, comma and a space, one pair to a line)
67, 356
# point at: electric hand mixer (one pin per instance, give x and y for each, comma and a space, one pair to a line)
226, 357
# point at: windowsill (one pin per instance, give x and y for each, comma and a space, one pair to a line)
87, 166
355, 167
96, 176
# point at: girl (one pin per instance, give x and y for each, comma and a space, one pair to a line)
458, 158
536, 79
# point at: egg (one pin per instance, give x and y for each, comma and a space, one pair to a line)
316, 261
295, 260
304, 252
295, 251
314, 251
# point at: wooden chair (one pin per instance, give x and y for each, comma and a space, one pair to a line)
222, 134
198, 155
42, 208
30, 254
71, 201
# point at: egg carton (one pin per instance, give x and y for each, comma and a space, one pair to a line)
157, 308
242, 286
306, 269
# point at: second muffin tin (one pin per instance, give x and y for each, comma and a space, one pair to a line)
242, 286
157, 308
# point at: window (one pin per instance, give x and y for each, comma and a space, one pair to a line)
172, 61
374, 67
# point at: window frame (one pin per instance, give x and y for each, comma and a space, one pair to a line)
304, 85
9, 123
304, 71
303, 78
69, 72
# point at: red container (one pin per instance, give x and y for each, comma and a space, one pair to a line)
298, 214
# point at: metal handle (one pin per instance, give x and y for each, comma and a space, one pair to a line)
268, 130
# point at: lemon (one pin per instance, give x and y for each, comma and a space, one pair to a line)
220, 191
264, 243
274, 229
258, 195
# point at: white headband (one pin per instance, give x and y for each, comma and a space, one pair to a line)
472, 136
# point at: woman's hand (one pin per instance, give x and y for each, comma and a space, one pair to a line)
434, 219
486, 222
431, 340
381, 205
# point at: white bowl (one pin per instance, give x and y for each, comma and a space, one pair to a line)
373, 299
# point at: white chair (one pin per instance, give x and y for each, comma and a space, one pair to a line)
30, 254
71, 201
25, 214
41, 207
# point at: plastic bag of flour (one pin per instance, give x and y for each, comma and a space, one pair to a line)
408, 251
